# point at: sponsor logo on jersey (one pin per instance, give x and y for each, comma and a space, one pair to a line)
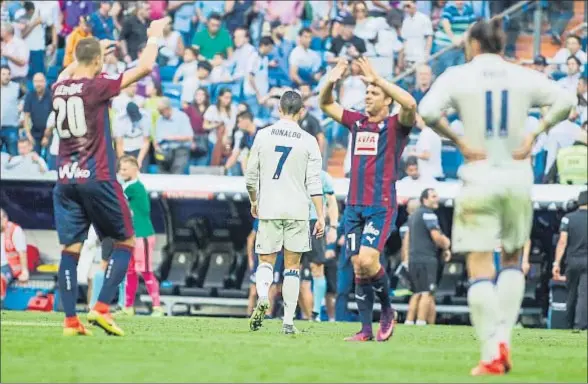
371, 230
370, 239
73, 171
366, 143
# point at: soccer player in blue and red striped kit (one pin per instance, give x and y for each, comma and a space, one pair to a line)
378, 140
87, 191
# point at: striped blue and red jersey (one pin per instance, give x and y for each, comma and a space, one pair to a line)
375, 153
86, 149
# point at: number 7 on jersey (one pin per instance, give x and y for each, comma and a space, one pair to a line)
285, 151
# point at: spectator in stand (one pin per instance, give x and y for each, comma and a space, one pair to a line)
206, 8
14, 262
9, 122
134, 32
127, 95
413, 178
424, 79
309, 123
80, 32
235, 13
366, 27
28, 162
173, 139
37, 107
15, 52
33, 21
72, 11
436, 13
213, 39
428, 151
571, 165
237, 161
220, 69
570, 82
157, 9
562, 135
195, 110
101, 22
112, 65
188, 67
153, 78
154, 95
4, 13
184, 18
540, 64
347, 45
321, 9
582, 107
286, 12
573, 243
256, 84
172, 48
132, 134
193, 82
305, 64
456, 19
220, 118
244, 51
417, 32
560, 13
573, 48
278, 59
352, 90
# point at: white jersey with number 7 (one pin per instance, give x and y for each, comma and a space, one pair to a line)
284, 166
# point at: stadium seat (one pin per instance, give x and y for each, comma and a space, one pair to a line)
221, 257
176, 103
558, 75
451, 159
53, 73
171, 90
453, 272
167, 73
153, 169
177, 263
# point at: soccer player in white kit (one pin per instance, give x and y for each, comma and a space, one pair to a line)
283, 170
493, 98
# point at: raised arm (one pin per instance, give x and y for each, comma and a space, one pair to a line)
408, 104
149, 55
326, 101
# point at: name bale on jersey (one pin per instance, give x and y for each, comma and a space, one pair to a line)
285, 133
68, 90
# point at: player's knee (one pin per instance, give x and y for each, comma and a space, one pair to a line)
270, 259
317, 270
481, 265
75, 248
291, 260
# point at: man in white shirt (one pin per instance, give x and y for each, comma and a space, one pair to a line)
414, 180
28, 162
241, 57
305, 64
16, 52
493, 97
562, 135
428, 151
570, 82
126, 96
256, 84
573, 48
283, 169
417, 32
9, 115
132, 132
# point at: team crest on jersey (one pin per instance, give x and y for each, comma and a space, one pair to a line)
366, 143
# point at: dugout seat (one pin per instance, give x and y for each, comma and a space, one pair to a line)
221, 256
177, 263
453, 272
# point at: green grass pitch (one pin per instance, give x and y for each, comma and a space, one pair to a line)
192, 349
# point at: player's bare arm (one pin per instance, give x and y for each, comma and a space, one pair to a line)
326, 100
408, 104
149, 55
252, 177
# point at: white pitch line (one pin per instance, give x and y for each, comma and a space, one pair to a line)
28, 323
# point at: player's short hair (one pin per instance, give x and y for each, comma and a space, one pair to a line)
574, 58
412, 160
576, 37
245, 115
425, 194
304, 30
87, 50
489, 34
29, 6
128, 159
291, 103
5, 67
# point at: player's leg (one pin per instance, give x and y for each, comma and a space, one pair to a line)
296, 242
379, 224
252, 299
149, 278
268, 242
131, 286
475, 230
413, 305
516, 224
427, 286
109, 211
316, 259
72, 229
305, 297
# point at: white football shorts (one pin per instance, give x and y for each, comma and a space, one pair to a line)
273, 235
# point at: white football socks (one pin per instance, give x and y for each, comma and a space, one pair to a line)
510, 288
264, 276
420, 322
485, 317
290, 292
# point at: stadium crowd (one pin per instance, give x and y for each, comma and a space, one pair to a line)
223, 65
